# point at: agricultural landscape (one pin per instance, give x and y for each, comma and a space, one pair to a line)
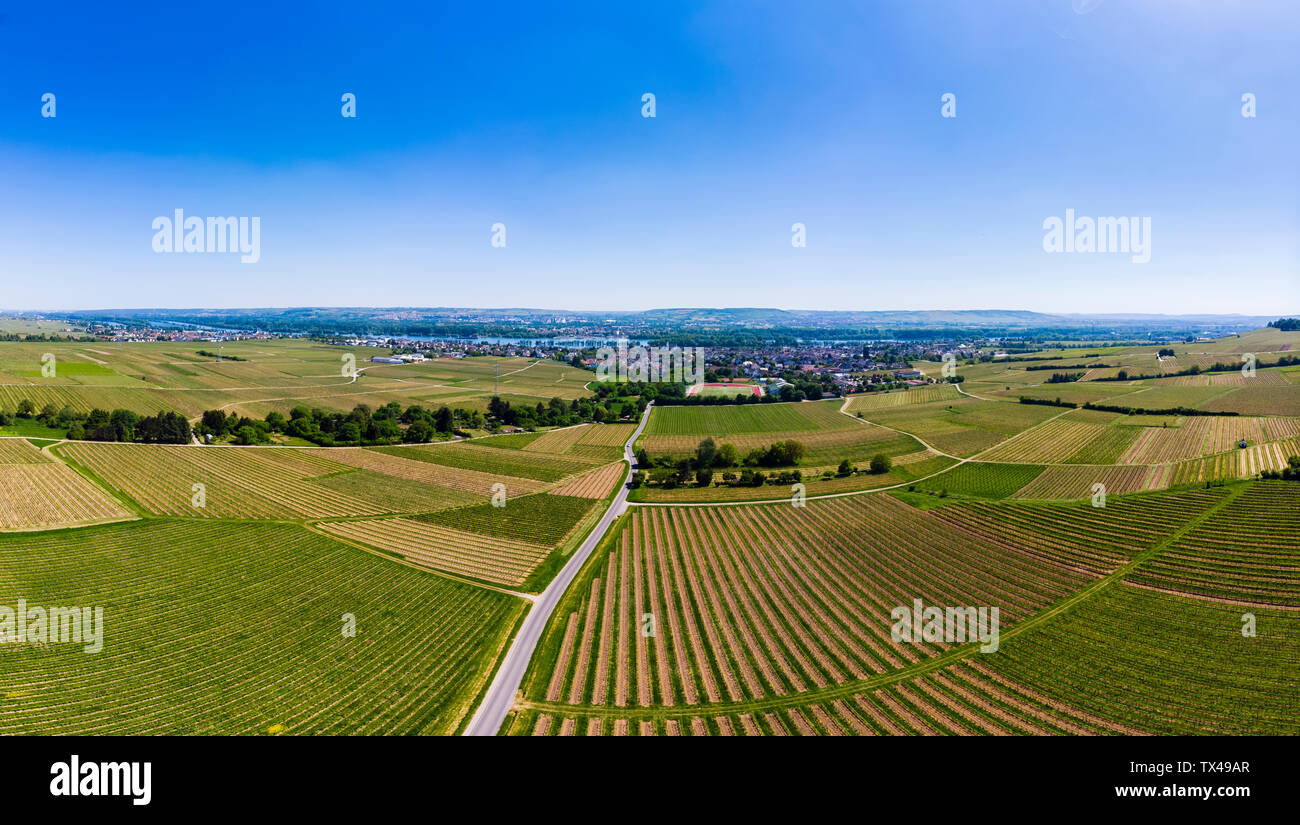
726, 567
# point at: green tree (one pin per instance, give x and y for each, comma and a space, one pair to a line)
727, 456
705, 453
880, 463
419, 432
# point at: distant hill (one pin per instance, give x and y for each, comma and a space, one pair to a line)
471, 320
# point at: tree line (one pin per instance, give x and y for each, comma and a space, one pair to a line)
103, 425
1116, 408
710, 456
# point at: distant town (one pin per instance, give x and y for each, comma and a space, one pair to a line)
773, 359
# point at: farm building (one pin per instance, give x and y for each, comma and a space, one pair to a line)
383, 359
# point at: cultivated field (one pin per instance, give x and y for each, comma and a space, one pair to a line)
965, 426
38, 493
772, 641
753, 602
503, 561
275, 375
237, 482
594, 484
1246, 554
918, 395
984, 480
236, 628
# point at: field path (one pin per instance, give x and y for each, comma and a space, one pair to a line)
928, 446
960, 391
500, 696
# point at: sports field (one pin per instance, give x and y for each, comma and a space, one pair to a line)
724, 390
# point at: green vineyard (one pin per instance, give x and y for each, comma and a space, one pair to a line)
224, 628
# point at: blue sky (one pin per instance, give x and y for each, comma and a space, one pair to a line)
767, 114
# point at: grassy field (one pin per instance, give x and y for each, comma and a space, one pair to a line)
698, 422
984, 480
725, 390
963, 427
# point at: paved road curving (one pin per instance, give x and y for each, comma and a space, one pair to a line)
500, 697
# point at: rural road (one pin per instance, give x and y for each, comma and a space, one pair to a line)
500, 696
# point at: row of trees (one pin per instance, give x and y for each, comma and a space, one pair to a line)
1195, 369
389, 424
103, 425
560, 413
710, 457
1063, 377
414, 424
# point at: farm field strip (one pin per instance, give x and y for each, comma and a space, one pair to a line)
606, 435
50, 494
1221, 467
238, 482
1106, 447
1257, 399
594, 484
882, 400
543, 519
470, 481
1080, 535
21, 451
477, 458
1075, 481
986, 480
1050, 442
490, 558
557, 441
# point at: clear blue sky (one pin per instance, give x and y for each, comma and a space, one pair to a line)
767, 114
